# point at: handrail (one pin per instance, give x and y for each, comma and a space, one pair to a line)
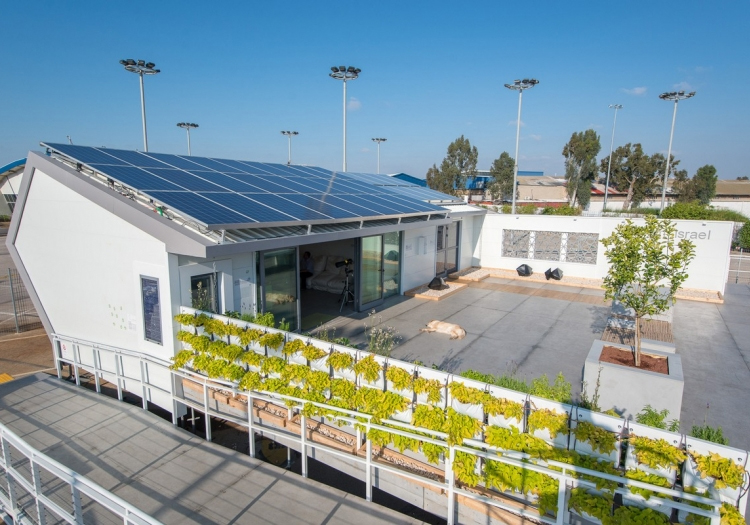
563, 472
79, 485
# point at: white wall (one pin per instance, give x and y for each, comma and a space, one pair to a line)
11, 184
708, 271
466, 243
419, 257
742, 207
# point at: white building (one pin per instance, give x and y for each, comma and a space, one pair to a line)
10, 182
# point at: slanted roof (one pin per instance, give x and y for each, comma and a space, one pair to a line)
12, 168
409, 178
733, 188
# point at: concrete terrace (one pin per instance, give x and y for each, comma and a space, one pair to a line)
534, 328
166, 472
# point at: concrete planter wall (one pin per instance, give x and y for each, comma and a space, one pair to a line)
628, 390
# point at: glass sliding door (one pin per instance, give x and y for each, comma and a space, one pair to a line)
391, 264
447, 248
370, 272
278, 285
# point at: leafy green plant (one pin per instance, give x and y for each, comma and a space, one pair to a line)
378, 437
340, 361
429, 417
313, 353
216, 327
380, 341
292, 347
565, 209
368, 368
743, 236
465, 394
726, 472
317, 381
294, 373
265, 319
182, 359
495, 405
554, 422
599, 439
509, 477
250, 358
274, 365
658, 419
186, 319
199, 343
636, 516
270, 340
597, 505
707, 433
510, 382
344, 390
250, 381
432, 388
460, 426
558, 391
730, 515
403, 443
249, 336
645, 477
657, 453
400, 378
381, 405
464, 467
432, 452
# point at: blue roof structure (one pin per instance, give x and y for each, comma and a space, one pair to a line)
223, 193
409, 178
11, 167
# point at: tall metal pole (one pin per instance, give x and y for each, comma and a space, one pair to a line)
611, 145
289, 135
186, 126
519, 85
379, 140
676, 97
190, 153
143, 114
344, 73
140, 67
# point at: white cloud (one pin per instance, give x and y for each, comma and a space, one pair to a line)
354, 104
682, 86
535, 137
515, 122
637, 91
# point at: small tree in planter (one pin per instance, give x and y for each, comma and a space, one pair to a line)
646, 268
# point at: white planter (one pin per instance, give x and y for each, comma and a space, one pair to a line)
629, 389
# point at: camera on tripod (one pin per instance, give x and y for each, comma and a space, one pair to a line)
347, 295
346, 262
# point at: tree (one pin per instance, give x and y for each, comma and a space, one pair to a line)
635, 173
645, 268
744, 177
459, 163
580, 165
743, 236
704, 182
683, 186
501, 171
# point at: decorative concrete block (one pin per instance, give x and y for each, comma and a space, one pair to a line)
628, 390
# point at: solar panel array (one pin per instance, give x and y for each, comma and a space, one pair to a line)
222, 193
403, 187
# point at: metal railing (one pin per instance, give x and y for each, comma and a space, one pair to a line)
121, 367
739, 268
31, 492
17, 313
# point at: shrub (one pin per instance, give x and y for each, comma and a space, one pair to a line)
743, 237
658, 419
699, 212
561, 210
707, 433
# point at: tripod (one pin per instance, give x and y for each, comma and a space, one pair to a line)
347, 295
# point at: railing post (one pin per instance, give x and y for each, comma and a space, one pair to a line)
13, 298
368, 465
206, 417
561, 489
9, 478
250, 426
76, 361
40, 512
449, 479
97, 366
172, 389
56, 345
118, 374
77, 511
144, 390
303, 443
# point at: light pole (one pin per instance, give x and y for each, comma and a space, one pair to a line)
611, 145
676, 96
344, 73
519, 85
141, 68
289, 135
379, 141
186, 126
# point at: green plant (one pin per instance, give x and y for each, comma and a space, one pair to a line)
313, 353
216, 327
645, 477
510, 382
657, 453
284, 325
432, 452
598, 506
368, 368
725, 471
599, 439
403, 443
250, 358
730, 515
232, 314
378, 437
270, 340
554, 422
265, 319
658, 419
251, 335
464, 466
344, 390
340, 361
743, 236
182, 359
199, 343
707, 433
294, 373
466, 394
646, 268
430, 387
593, 402
380, 341
400, 378
460, 426
381, 405
565, 209
186, 319
509, 477
558, 391
495, 405
274, 365
292, 347
636, 516
429, 417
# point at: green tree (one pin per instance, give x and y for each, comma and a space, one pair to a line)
635, 173
459, 163
580, 165
501, 171
704, 183
743, 236
683, 186
646, 268
744, 177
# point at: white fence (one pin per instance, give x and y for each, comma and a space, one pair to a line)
32, 492
134, 372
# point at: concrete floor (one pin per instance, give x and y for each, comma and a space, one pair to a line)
544, 328
163, 470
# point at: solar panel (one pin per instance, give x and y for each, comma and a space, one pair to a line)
222, 192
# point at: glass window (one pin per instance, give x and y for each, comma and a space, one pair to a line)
391, 263
280, 285
151, 309
203, 292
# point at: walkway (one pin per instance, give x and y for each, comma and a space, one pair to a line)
164, 471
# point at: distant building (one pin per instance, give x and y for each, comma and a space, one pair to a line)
10, 182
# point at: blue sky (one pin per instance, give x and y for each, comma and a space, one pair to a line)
431, 71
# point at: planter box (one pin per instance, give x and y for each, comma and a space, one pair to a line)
628, 390
221, 398
268, 417
235, 402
